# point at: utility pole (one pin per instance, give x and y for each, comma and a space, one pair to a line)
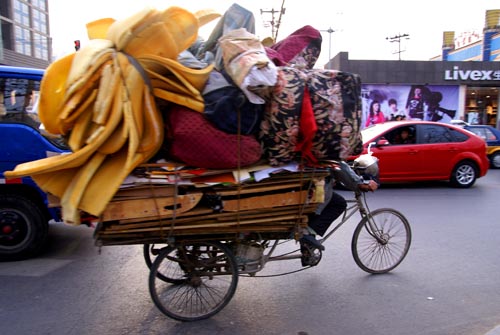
397, 39
275, 25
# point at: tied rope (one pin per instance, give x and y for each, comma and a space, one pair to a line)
238, 173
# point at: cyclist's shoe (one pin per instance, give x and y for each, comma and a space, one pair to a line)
310, 255
311, 240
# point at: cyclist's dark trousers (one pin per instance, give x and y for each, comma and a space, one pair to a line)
320, 223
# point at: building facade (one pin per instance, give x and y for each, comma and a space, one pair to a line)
463, 83
25, 33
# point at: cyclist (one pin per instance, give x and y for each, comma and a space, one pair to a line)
334, 205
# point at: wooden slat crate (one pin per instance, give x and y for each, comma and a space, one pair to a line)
153, 214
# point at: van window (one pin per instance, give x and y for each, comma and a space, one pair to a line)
18, 100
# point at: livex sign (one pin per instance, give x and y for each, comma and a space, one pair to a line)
475, 75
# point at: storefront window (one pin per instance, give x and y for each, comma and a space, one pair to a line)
481, 106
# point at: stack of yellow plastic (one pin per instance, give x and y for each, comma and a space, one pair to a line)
102, 98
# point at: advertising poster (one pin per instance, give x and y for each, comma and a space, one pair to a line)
382, 103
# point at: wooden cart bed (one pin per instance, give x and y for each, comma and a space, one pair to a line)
277, 206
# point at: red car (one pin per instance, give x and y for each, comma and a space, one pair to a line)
421, 150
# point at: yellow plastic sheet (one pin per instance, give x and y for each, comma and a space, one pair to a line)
103, 99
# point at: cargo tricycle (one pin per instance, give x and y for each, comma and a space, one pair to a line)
196, 256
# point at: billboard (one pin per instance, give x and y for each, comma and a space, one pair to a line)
381, 103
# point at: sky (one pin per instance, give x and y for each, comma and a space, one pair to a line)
360, 27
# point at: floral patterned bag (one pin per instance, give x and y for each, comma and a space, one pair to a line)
335, 98
279, 129
336, 102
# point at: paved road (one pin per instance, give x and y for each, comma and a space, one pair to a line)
449, 283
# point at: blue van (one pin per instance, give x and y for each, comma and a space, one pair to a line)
24, 210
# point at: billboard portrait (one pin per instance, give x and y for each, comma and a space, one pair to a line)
438, 103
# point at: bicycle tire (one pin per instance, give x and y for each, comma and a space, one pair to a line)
147, 252
374, 256
211, 278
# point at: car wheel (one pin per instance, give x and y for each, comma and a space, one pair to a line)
495, 160
23, 229
464, 175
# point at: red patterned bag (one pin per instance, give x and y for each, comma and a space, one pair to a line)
301, 48
194, 141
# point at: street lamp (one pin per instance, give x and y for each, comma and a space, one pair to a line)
329, 31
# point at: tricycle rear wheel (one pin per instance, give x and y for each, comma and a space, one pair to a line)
150, 251
208, 282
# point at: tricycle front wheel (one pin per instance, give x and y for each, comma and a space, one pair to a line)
208, 282
381, 241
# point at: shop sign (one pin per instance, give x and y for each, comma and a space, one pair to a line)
474, 75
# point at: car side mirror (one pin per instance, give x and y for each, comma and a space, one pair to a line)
382, 142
